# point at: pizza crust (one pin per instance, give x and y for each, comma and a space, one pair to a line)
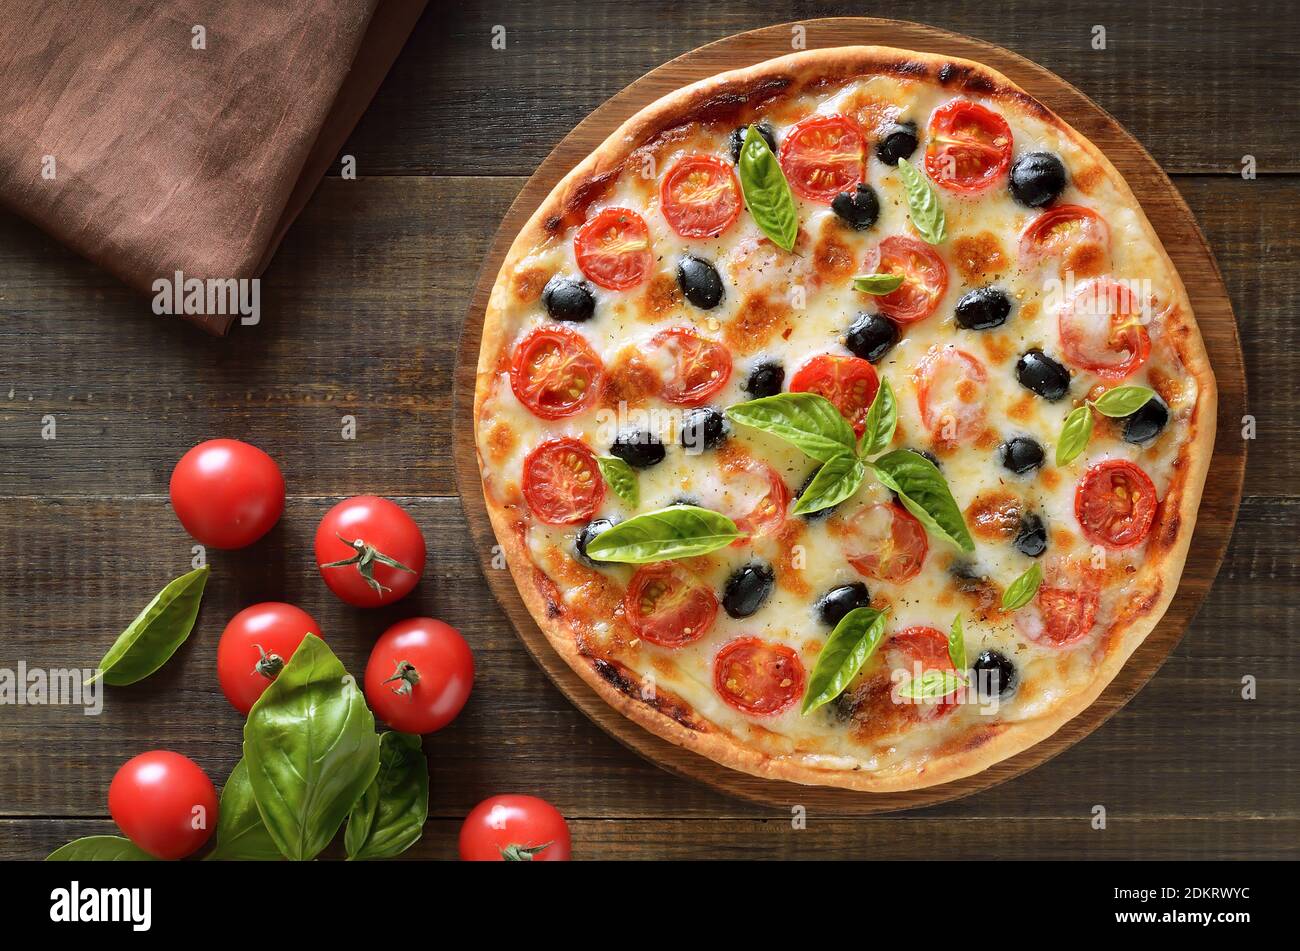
1171, 535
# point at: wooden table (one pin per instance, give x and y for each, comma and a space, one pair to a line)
362, 309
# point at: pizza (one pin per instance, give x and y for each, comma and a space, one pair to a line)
843, 420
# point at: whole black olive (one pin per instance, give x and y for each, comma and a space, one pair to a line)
1031, 536
1037, 179
995, 675
1038, 372
640, 449
699, 281
983, 308
737, 139
585, 536
898, 143
871, 336
1146, 422
703, 428
859, 208
766, 379
837, 602
748, 589
568, 299
1021, 454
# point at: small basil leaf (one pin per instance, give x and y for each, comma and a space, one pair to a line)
1123, 400
100, 848
932, 685
957, 644
878, 284
1074, 435
389, 817
157, 631
766, 191
311, 749
882, 420
854, 639
241, 833
923, 204
924, 492
678, 531
808, 421
1021, 591
835, 481
620, 477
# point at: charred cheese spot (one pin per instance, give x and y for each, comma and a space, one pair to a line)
994, 516
790, 560
662, 297
1021, 410
1050, 478
527, 284
1063, 539
1085, 259
979, 257
998, 347
874, 113
501, 441
757, 322
629, 380
1087, 178
987, 440
832, 258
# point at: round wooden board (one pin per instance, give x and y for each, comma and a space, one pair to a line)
1182, 239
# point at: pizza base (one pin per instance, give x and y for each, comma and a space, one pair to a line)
1170, 536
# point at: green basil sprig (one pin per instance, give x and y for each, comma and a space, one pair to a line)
878, 284
766, 191
808, 421
389, 817
100, 848
932, 684
837, 479
881, 422
957, 644
924, 492
157, 631
241, 833
679, 531
854, 639
311, 750
621, 478
923, 204
1115, 403
1021, 591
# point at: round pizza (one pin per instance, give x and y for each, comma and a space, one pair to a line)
843, 420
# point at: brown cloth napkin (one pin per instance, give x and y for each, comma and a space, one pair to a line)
149, 156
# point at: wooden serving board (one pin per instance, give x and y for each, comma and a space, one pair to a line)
1181, 237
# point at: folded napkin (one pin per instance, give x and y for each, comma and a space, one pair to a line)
182, 135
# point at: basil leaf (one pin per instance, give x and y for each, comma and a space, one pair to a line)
678, 531
1021, 591
620, 477
241, 833
311, 749
924, 492
878, 284
100, 848
1074, 435
923, 204
854, 639
882, 420
389, 817
835, 481
766, 191
1123, 400
932, 685
806, 420
156, 632
957, 644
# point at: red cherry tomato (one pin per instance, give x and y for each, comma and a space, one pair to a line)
667, 605
950, 392
562, 482
227, 493
916, 650
969, 148
823, 156
766, 516
256, 645
757, 677
885, 542
1115, 504
925, 278
514, 829
700, 197
419, 675
848, 382
1065, 608
1076, 236
369, 551
613, 249
1102, 330
555, 373
164, 803
699, 367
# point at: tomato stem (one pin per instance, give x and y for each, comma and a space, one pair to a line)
268, 665
514, 852
408, 676
364, 557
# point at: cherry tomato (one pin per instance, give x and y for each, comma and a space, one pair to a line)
667, 605
613, 249
515, 829
950, 393
766, 516
969, 147
227, 493
562, 482
916, 650
757, 677
1115, 504
925, 278
555, 373
848, 382
698, 367
700, 197
369, 551
823, 156
164, 803
1076, 236
1102, 330
1065, 608
885, 542
256, 645
419, 675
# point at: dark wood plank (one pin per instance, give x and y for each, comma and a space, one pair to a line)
1197, 83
